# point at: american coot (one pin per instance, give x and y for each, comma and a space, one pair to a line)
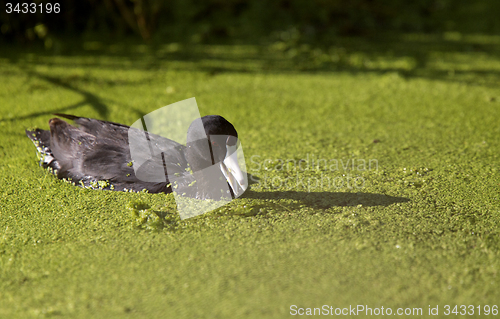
99, 154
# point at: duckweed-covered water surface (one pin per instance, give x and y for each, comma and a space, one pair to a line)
419, 228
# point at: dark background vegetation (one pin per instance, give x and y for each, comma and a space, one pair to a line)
206, 21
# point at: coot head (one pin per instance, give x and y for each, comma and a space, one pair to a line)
212, 140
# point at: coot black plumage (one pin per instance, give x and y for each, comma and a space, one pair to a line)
97, 154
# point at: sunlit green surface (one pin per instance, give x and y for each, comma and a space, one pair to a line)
422, 231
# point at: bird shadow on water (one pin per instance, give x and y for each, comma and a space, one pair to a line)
325, 200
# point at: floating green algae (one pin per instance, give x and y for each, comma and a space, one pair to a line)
71, 252
145, 217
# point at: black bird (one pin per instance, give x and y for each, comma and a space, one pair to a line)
97, 154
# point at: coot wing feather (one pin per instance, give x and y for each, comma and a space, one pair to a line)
100, 150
